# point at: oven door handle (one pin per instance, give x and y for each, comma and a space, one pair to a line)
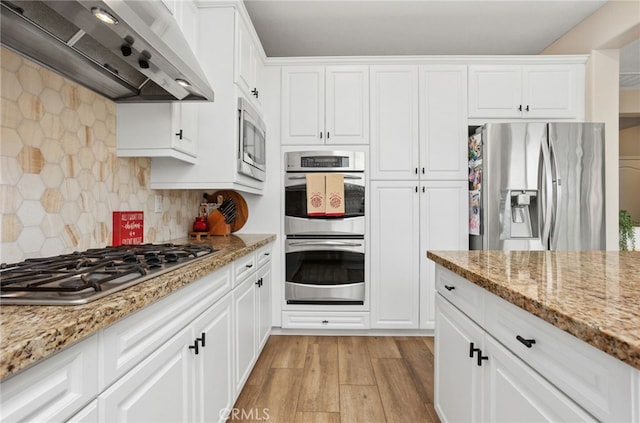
304, 177
325, 244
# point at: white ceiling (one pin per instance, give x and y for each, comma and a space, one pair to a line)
361, 27
293, 28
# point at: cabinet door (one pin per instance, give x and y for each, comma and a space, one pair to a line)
394, 254
53, 389
185, 127
550, 91
245, 58
515, 392
347, 105
443, 122
264, 304
165, 374
213, 369
495, 91
443, 226
244, 314
394, 122
458, 383
302, 105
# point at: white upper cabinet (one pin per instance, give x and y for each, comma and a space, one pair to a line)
325, 105
552, 91
443, 122
158, 130
419, 121
394, 122
248, 64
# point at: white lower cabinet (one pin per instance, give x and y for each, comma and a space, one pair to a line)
244, 306
184, 358
407, 219
325, 320
213, 369
252, 317
477, 379
495, 362
54, 389
161, 388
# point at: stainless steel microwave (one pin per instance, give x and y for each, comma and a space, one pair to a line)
252, 139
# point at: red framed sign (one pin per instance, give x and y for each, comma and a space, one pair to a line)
128, 228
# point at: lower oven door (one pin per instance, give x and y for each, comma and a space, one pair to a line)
325, 271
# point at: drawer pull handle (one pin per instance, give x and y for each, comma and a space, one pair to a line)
473, 350
194, 347
324, 322
267, 254
449, 288
248, 266
481, 357
526, 342
201, 339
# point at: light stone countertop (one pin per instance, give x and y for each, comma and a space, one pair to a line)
593, 295
31, 333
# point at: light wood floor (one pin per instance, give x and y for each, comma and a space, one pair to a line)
348, 379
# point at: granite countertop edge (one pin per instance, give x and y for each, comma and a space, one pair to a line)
605, 340
29, 334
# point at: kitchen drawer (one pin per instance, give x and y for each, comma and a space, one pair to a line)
598, 382
243, 267
127, 342
325, 320
463, 294
263, 254
54, 389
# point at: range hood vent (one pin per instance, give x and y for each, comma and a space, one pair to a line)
142, 58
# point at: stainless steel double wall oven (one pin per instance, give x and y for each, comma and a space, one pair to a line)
325, 255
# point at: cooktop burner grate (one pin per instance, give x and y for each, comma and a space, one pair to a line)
80, 277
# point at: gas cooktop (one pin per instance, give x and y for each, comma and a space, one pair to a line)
82, 277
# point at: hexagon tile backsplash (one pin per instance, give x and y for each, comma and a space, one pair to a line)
60, 177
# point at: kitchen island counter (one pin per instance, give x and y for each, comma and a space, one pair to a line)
593, 295
32, 333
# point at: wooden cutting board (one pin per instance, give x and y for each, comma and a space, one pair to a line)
242, 211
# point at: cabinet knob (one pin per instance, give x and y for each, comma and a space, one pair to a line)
526, 342
520, 108
527, 109
449, 288
179, 134
255, 92
416, 170
324, 322
248, 266
320, 134
328, 134
424, 189
267, 254
194, 347
423, 170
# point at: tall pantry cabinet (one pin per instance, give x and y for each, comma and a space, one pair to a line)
418, 186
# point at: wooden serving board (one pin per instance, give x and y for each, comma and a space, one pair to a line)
242, 211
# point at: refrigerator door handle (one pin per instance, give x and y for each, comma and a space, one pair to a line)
557, 195
547, 180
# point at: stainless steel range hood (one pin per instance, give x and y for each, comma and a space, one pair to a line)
141, 58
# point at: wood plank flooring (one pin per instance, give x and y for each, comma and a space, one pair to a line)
340, 379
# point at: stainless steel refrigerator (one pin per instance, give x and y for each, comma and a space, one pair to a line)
537, 186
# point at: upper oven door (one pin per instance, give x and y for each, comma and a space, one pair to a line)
298, 223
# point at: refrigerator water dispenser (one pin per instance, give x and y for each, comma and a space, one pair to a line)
522, 213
